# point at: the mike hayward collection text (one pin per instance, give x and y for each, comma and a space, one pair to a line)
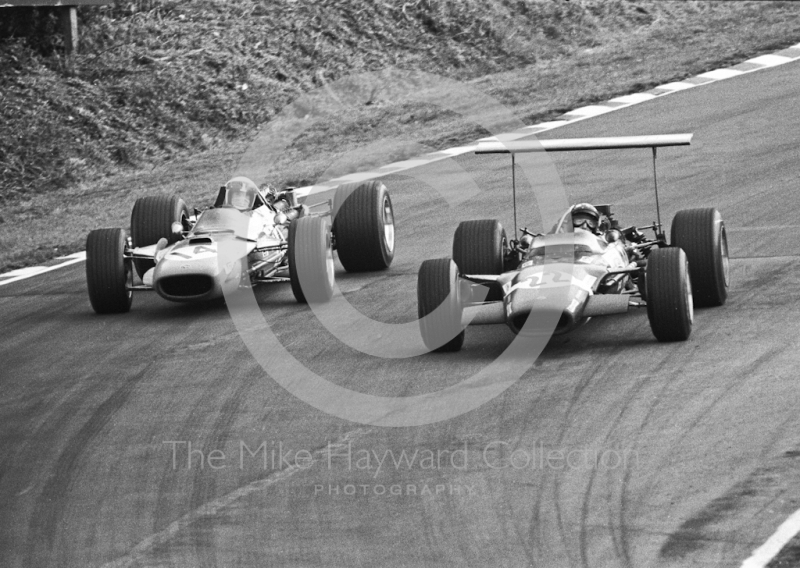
497, 454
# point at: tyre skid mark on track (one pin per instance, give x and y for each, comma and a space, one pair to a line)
750, 293
470, 553
512, 430
617, 536
624, 502
52, 423
622, 513
203, 491
772, 550
523, 540
689, 536
583, 384
197, 419
595, 374
702, 413
208, 510
578, 390
615, 529
616, 519
49, 510
582, 536
768, 548
694, 534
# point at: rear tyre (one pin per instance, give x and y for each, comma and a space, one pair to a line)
363, 225
701, 234
439, 305
310, 260
479, 247
151, 220
669, 294
107, 272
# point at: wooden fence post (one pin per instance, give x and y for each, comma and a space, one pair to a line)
69, 28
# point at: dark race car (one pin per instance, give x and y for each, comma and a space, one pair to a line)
249, 236
587, 265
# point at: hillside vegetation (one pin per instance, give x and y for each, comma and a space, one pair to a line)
162, 82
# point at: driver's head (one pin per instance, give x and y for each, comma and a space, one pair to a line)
585, 216
240, 194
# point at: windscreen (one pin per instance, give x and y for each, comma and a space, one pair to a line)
222, 220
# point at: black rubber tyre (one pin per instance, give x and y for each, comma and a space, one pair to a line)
701, 234
107, 272
310, 260
441, 329
363, 226
669, 294
479, 247
151, 220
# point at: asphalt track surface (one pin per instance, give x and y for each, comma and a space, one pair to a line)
699, 438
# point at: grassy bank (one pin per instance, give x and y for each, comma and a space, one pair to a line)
166, 95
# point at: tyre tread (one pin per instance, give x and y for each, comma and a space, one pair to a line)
308, 243
666, 299
106, 277
151, 219
694, 230
478, 247
358, 226
433, 287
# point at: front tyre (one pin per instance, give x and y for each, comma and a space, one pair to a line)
439, 305
107, 272
310, 260
151, 220
479, 247
669, 294
363, 225
701, 234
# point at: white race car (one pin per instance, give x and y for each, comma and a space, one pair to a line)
249, 236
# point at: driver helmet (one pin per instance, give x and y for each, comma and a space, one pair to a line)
240, 193
585, 216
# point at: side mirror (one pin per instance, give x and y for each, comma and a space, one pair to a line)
177, 229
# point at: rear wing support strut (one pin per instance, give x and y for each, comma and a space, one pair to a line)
514, 189
571, 144
659, 227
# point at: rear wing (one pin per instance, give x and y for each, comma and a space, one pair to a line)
514, 147
571, 144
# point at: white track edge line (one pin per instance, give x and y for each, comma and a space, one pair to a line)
764, 554
44, 269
